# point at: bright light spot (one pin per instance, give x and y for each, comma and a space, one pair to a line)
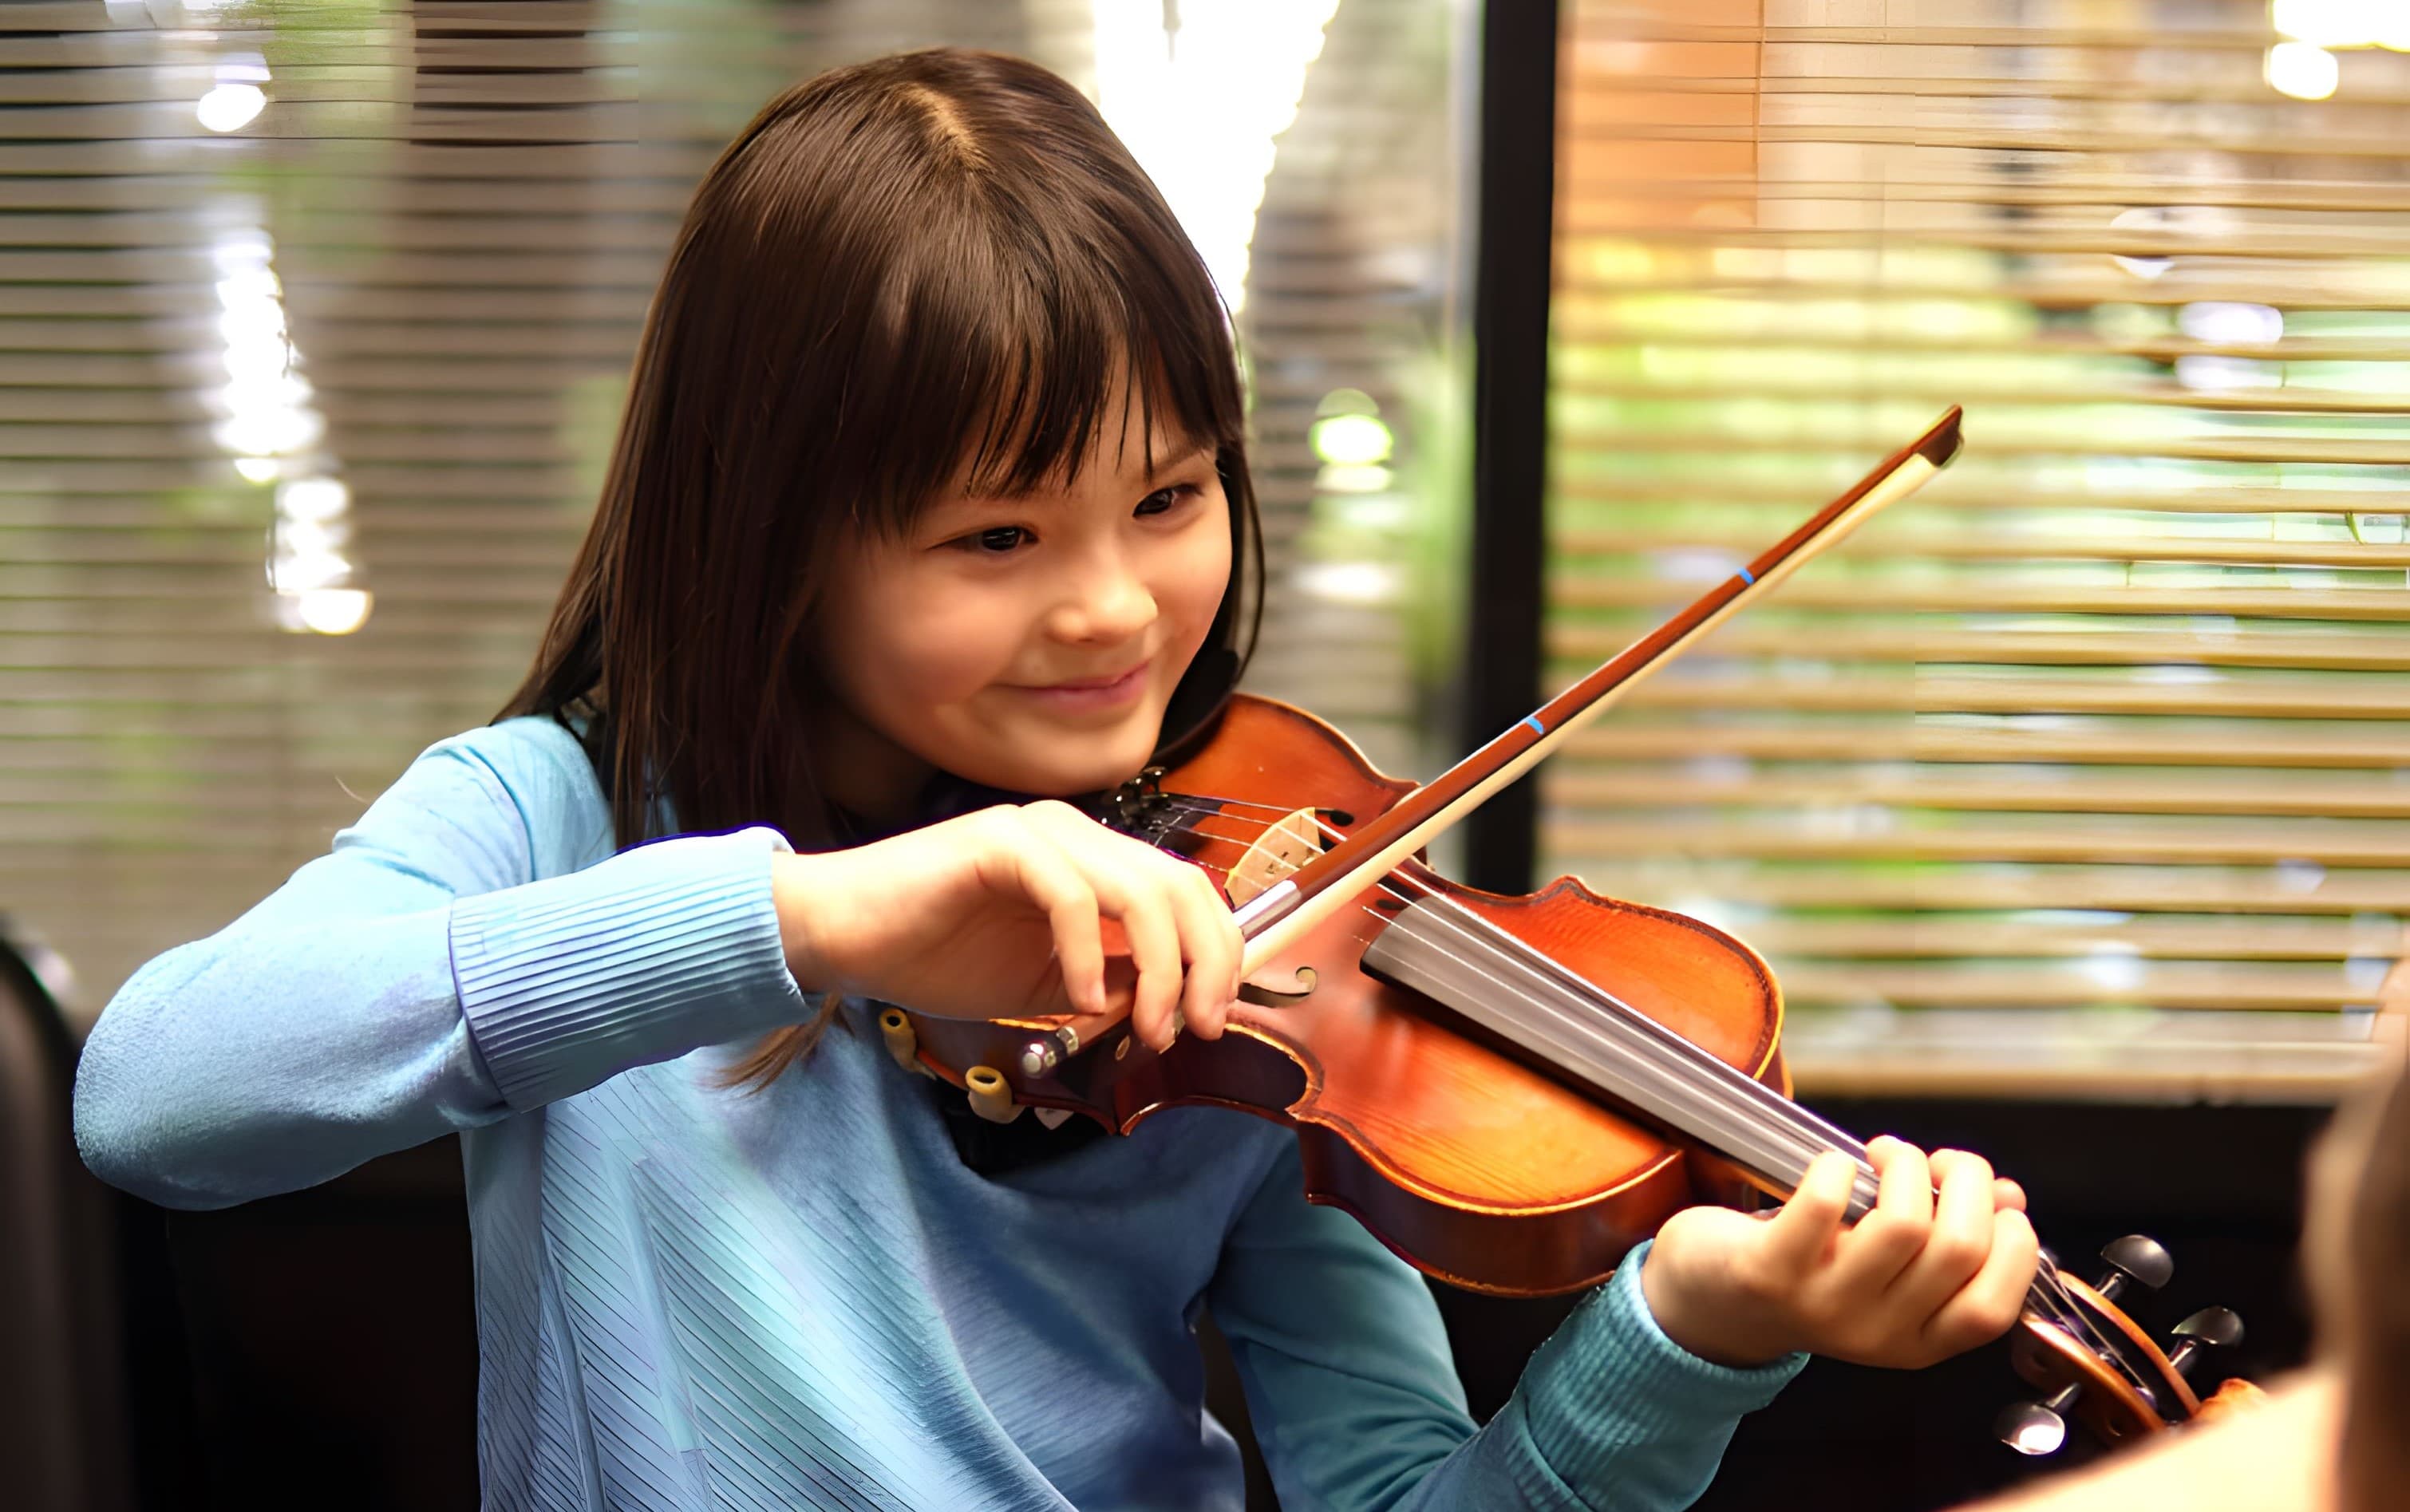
243, 286
257, 322
2304, 71
2113, 966
2219, 374
1351, 440
305, 537
334, 611
302, 571
265, 433
1353, 479
2342, 24
2228, 324
242, 252
2143, 218
2298, 876
317, 500
266, 390
2043, 1433
230, 107
1201, 106
1347, 401
1350, 582
271, 428
258, 363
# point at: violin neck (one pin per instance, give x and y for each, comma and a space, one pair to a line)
1521, 1001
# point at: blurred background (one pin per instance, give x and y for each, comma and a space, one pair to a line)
2072, 801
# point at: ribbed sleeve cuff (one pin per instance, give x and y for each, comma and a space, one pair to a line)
653, 953
1610, 1380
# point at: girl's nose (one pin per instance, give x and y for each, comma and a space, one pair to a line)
1108, 603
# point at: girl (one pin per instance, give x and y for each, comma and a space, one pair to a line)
929, 508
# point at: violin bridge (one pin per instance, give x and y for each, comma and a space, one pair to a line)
1282, 848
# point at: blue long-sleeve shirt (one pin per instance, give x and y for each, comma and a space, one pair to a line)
694, 1297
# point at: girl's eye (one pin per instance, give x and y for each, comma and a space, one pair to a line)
1162, 500
996, 539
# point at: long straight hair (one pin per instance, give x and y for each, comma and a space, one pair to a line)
901, 269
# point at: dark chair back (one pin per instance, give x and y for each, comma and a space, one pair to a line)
64, 1440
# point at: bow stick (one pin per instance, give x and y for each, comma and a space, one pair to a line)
1278, 917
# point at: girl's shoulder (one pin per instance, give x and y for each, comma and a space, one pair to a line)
532, 772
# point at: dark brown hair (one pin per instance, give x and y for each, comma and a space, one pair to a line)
898, 269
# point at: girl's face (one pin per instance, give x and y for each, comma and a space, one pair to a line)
1030, 643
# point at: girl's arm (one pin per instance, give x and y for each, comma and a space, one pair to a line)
1356, 1402
420, 980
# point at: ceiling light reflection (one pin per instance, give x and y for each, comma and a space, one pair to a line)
273, 429
2302, 70
230, 107
2226, 323
332, 611
1201, 102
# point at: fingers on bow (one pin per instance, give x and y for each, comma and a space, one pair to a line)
1184, 948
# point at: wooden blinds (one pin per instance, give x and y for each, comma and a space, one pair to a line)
2087, 769
314, 320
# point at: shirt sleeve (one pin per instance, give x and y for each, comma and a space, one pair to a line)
419, 979
1356, 1405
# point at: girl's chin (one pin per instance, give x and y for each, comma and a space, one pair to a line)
1104, 758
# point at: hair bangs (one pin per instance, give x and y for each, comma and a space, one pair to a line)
1035, 339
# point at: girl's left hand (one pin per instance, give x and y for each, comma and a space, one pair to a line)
1920, 1278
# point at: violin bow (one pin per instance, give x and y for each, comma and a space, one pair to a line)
1278, 917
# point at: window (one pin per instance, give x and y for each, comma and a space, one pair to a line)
2086, 769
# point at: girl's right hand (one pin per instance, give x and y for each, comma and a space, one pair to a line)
1004, 914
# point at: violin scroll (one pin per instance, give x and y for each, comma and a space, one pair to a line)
2097, 1365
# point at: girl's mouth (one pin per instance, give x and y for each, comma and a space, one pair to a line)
1089, 694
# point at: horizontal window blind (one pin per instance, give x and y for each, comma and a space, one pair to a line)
314, 319
2085, 770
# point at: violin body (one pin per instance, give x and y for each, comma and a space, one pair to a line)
1468, 1162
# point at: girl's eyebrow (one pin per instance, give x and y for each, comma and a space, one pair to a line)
1173, 463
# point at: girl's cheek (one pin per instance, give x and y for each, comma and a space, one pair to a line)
954, 639
1202, 566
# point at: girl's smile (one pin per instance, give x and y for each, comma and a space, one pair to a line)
1093, 694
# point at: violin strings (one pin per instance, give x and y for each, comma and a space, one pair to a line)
2047, 1294
2044, 1294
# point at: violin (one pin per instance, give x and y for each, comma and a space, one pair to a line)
1511, 1093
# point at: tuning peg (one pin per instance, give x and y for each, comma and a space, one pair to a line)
2136, 1257
2036, 1428
2211, 1328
